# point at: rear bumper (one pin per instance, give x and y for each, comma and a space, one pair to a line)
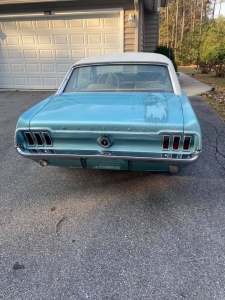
168, 160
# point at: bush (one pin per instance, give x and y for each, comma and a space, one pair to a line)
167, 51
204, 68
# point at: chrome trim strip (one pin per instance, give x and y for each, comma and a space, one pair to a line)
126, 158
189, 143
64, 82
176, 136
115, 132
104, 132
107, 132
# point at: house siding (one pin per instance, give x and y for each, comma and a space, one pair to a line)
129, 33
141, 27
151, 33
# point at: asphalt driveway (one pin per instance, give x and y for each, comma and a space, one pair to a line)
97, 234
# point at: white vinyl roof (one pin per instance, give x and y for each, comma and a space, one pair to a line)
125, 57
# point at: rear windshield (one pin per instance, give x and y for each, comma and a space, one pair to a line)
121, 77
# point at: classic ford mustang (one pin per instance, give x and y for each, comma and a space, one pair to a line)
121, 111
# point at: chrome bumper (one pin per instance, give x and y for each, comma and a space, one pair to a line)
36, 156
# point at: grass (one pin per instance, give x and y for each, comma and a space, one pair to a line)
217, 98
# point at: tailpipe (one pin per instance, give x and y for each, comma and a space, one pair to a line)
173, 168
44, 163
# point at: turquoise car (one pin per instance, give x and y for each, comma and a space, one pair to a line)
122, 111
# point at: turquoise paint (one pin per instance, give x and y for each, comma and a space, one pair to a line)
110, 110
115, 112
24, 120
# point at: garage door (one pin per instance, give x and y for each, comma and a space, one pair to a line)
37, 53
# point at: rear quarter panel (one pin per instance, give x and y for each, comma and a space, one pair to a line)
25, 118
191, 123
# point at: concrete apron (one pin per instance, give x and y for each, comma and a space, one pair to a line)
191, 86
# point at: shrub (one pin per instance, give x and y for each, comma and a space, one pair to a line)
167, 51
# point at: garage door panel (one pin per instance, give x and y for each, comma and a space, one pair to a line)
28, 40
61, 39
92, 52
10, 25
4, 68
46, 54
63, 54
44, 40
15, 54
111, 38
78, 54
38, 53
12, 40
28, 25
30, 54
77, 39
17, 68
3, 55
59, 24
76, 23
47, 68
62, 68
5, 82
42, 24
93, 23
109, 51
94, 38
34, 81
19, 81
110, 22
49, 82
32, 68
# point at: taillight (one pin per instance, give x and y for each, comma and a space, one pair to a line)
166, 142
186, 143
176, 142
38, 138
29, 138
48, 140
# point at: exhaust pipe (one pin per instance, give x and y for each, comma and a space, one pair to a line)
44, 163
173, 168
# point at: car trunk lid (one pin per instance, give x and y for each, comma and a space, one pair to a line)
111, 112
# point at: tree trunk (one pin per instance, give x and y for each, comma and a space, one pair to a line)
201, 17
194, 15
167, 26
176, 25
221, 1
213, 11
182, 27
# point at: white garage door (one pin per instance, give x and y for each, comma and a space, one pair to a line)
36, 54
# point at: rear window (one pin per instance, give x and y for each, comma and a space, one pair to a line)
121, 77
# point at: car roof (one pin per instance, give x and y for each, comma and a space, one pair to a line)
139, 57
